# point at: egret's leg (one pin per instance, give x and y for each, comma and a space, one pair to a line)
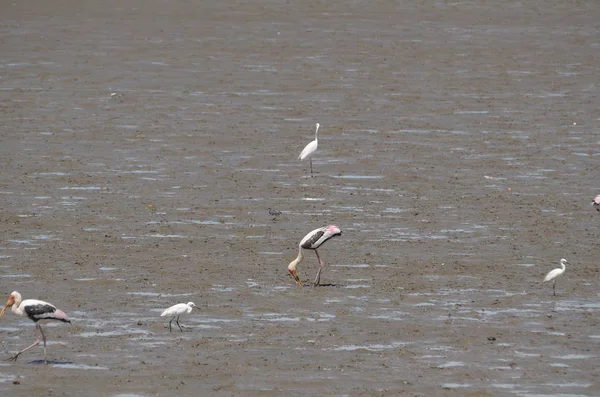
554, 288
318, 278
37, 342
311, 172
171, 322
181, 329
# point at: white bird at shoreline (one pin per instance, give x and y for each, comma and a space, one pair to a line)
553, 274
178, 310
309, 149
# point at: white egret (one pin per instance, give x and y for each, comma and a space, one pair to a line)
553, 274
309, 149
178, 310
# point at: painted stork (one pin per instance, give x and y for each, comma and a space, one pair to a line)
38, 312
312, 241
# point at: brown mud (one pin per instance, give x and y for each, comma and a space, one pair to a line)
142, 143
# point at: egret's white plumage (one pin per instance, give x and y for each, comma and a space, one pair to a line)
37, 311
553, 274
310, 149
312, 241
178, 310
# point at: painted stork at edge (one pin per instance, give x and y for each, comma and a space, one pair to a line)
38, 312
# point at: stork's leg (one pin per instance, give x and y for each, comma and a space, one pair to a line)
37, 342
181, 329
44, 337
318, 278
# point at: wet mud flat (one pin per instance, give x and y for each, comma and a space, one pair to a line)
142, 143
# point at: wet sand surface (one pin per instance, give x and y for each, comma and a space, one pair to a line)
142, 143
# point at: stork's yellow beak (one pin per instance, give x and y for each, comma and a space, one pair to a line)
4, 310
293, 273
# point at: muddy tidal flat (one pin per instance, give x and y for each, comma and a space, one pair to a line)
142, 143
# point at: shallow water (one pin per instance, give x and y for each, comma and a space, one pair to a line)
457, 152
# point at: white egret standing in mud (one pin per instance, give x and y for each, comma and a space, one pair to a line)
178, 310
309, 149
312, 241
38, 312
596, 202
553, 274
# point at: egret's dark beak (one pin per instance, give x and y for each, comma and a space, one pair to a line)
293, 273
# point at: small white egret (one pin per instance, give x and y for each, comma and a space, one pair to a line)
596, 202
38, 312
178, 310
553, 274
312, 241
309, 149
